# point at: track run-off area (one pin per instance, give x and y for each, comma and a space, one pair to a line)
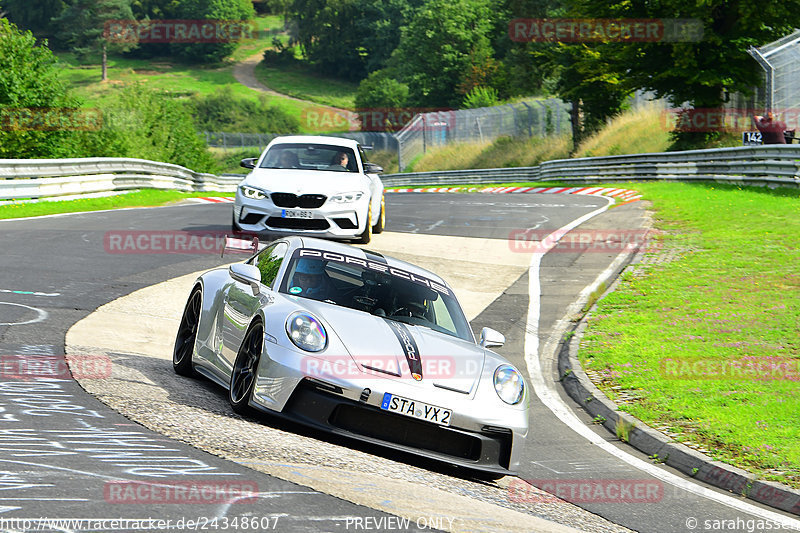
83, 449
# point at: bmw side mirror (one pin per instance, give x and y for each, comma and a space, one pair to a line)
249, 274
249, 162
491, 338
372, 168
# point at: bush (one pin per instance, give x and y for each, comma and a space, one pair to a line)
29, 83
222, 111
381, 90
480, 97
146, 124
280, 55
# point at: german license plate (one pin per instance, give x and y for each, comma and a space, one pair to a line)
415, 409
293, 213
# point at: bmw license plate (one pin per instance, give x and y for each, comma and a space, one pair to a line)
293, 213
415, 409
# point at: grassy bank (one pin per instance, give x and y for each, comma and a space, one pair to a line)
636, 131
702, 339
143, 198
707, 345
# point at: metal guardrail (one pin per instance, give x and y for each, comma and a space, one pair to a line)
774, 165
47, 178
382, 141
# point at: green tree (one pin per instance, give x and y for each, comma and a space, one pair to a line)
231, 10
350, 38
29, 82
381, 90
81, 27
701, 71
34, 16
443, 41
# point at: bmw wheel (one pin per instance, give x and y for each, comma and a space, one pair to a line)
366, 235
187, 334
381, 222
243, 375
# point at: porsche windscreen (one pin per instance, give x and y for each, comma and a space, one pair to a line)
376, 288
310, 157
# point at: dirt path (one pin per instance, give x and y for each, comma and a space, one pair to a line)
245, 73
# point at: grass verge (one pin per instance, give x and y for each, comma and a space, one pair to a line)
143, 198
702, 339
705, 335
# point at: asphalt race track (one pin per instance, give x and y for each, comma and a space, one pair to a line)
66, 454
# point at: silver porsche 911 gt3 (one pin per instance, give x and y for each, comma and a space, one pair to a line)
358, 344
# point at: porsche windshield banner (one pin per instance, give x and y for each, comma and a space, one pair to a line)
372, 265
409, 346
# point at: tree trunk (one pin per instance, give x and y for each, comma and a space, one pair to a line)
105, 63
575, 118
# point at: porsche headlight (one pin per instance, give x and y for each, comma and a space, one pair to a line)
347, 197
253, 194
508, 384
306, 332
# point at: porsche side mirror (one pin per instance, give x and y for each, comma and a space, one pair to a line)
245, 273
491, 338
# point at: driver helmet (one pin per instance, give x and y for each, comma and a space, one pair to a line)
308, 276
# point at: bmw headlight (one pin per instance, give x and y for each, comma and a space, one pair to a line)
306, 332
508, 384
253, 194
347, 197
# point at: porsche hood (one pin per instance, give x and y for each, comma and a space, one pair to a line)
382, 347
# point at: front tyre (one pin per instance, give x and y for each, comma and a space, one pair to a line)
366, 235
381, 222
235, 224
187, 335
243, 375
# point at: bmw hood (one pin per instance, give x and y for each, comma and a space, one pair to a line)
305, 181
395, 350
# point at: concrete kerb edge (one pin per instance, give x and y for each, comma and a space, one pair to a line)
652, 442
